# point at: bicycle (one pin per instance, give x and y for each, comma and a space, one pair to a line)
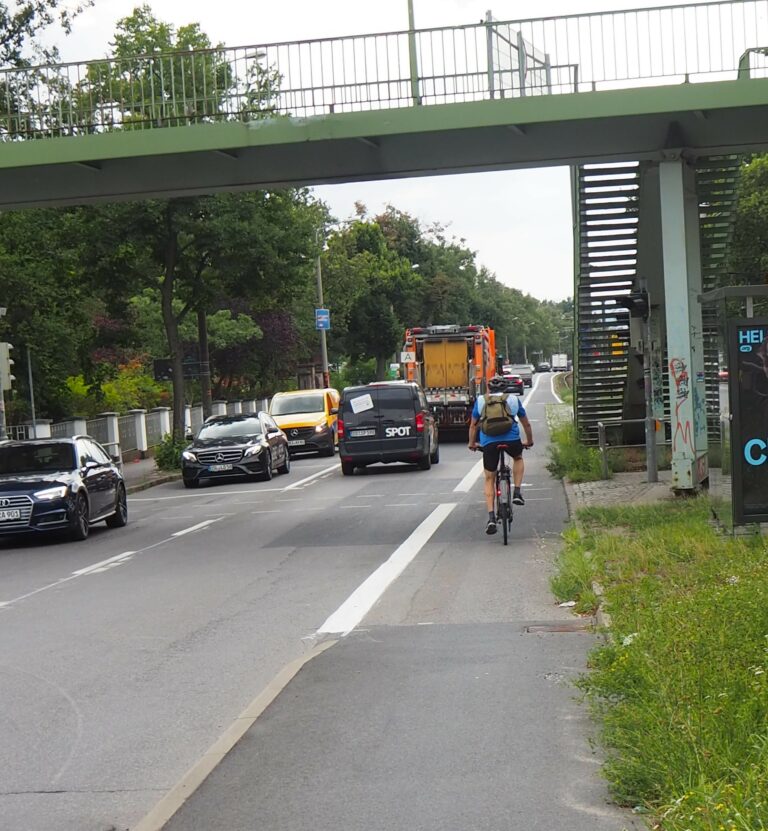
504, 511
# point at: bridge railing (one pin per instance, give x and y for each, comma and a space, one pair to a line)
491, 59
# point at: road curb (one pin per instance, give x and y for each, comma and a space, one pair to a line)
150, 483
172, 802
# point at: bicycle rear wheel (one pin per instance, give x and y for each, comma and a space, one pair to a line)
505, 508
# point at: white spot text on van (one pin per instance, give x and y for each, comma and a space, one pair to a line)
391, 432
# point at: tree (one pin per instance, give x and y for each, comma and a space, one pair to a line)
49, 310
748, 260
21, 26
371, 290
171, 77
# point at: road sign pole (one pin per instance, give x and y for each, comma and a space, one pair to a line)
323, 342
3, 430
31, 393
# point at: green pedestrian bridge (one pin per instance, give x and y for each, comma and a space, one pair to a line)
652, 108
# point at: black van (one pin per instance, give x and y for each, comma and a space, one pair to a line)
387, 421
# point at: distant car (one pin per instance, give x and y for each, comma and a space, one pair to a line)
515, 384
525, 371
59, 485
247, 445
387, 421
722, 374
543, 366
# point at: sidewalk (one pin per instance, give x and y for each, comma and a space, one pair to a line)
143, 473
622, 489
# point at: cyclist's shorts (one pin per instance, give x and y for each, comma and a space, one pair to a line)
491, 452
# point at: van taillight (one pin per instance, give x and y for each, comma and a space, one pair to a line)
340, 428
419, 422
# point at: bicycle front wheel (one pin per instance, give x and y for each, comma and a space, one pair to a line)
505, 508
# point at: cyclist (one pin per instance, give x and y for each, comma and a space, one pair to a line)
490, 446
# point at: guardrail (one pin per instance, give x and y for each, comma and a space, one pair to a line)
651, 461
492, 59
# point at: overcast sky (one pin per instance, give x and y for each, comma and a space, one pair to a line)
518, 222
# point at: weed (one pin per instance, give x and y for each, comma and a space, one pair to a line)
168, 453
569, 459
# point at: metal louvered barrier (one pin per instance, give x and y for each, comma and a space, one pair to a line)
717, 185
607, 211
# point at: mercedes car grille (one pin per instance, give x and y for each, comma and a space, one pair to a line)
214, 457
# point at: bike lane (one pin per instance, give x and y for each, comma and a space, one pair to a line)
450, 706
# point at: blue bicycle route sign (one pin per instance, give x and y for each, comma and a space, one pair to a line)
322, 319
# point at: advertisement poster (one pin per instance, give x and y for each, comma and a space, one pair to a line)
748, 379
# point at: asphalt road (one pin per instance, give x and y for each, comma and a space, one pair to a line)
124, 658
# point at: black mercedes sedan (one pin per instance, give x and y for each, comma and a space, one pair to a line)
250, 445
59, 485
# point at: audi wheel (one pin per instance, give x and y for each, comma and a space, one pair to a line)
79, 525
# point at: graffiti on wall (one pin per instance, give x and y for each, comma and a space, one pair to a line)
682, 435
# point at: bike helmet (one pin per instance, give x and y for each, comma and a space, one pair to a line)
497, 384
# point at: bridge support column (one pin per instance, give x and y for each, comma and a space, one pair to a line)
685, 345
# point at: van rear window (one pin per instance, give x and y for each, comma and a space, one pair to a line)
396, 398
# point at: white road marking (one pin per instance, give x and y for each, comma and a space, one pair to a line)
204, 524
219, 495
95, 566
362, 600
552, 384
465, 486
83, 572
323, 472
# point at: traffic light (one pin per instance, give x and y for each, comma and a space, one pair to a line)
6, 362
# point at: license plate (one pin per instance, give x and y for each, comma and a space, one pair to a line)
6, 515
215, 468
357, 434
296, 442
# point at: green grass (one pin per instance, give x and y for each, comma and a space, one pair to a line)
681, 688
564, 386
569, 459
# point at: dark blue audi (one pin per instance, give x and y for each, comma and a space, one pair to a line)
59, 485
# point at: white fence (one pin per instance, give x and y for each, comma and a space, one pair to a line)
134, 432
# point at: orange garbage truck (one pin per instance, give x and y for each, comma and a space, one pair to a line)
452, 364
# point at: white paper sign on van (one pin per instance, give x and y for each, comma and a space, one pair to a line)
361, 403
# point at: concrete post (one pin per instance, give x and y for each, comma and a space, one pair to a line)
650, 258
165, 420
187, 419
685, 344
113, 427
219, 408
40, 428
79, 426
142, 445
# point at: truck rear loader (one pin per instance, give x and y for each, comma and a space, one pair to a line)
453, 365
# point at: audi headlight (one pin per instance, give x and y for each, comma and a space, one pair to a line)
52, 493
254, 450
188, 455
